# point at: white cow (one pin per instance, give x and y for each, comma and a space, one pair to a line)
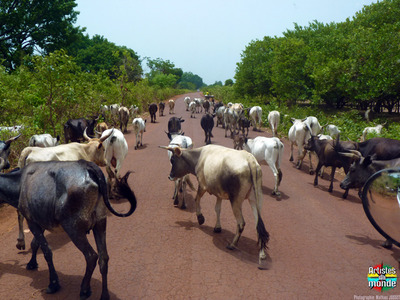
299, 135
227, 174
255, 115
171, 105
192, 108
377, 129
267, 151
184, 142
116, 149
220, 115
187, 101
274, 118
43, 140
139, 127
332, 131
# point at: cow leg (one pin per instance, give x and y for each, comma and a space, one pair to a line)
316, 174
39, 239
175, 196
99, 232
332, 177
346, 192
78, 237
182, 191
217, 227
311, 171
291, 152
200, 217
274, 170
21, 237
237, 211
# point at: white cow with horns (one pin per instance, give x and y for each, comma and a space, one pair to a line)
227, 174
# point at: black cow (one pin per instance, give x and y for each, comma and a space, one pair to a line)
207, 123
5, 151
74, 128
328, 157
72, 195
244, 124
174, 124
161, 107
153, 110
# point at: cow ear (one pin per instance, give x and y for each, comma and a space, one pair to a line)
178, 151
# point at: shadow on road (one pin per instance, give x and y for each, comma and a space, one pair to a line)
247, 250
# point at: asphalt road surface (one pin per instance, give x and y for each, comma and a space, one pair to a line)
321, 246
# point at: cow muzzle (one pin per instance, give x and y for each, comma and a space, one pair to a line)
171, 178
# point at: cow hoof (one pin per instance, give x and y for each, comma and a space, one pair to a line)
387, 244
200, 219
276, 193
217, 229
53, 287
183, 206
32, 266
20, 245
230, 247
311, 172
291, 159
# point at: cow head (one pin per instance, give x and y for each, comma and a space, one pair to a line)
5, 151
360, 170
179, 165
96, 149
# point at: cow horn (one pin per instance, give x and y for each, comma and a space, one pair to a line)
2, 163
354, 154
167, 148
10, 140
103, 138
85, 135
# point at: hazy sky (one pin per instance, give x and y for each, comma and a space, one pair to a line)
205, 37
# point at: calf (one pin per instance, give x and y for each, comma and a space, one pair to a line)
274, 118
328, 157
139, 127
70, 195
153, 111
238, 142
161, 107
5, 151
123, 113
255, 115
207, 123
244, 124
227, 174
43, 140
268, 151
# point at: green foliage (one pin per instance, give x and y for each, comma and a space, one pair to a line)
354, 63
36, 24
191, 81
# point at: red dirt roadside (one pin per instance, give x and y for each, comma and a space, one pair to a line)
321, 246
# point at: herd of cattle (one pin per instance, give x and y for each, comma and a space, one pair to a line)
50, 198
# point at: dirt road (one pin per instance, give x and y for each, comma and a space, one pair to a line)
321, 246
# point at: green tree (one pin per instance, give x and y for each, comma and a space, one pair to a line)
189, 79
159, 66
26, 26
228, 82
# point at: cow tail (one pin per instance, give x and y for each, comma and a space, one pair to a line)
123, 189
256, 177
280, 148
190, 183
